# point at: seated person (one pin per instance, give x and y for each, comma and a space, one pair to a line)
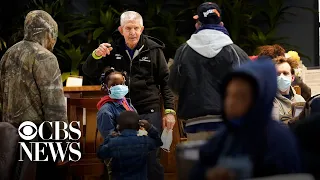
251, 144
276, 50
286, 95
272, 51
111, 105
305, 90
307, 131
129, 152
311, 107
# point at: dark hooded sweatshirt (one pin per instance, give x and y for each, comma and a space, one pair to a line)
307, 131
31, 87
147, 72
196, 74
270, 146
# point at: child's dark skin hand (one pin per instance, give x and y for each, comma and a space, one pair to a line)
145, 124
114, 134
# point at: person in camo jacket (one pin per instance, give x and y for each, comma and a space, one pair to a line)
31, 88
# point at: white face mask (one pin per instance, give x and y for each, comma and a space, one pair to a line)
142, 132
166, 138
284, 82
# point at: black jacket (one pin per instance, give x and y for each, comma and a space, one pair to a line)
307, 131
197, 72
147, 72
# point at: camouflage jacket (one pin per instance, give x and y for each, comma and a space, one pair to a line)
31, 87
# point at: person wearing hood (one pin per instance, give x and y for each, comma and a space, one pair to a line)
111, 105
31, 88
251, 144
307, 131
286, 94
142, 58
197, 71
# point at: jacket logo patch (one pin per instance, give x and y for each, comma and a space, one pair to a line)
118, 56
145, 59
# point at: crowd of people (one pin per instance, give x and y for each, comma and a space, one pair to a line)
240, 106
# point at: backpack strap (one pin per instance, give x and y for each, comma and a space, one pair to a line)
308, 103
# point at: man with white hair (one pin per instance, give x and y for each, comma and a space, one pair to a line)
142, 58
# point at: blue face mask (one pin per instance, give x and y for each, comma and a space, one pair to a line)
118, 91
284, 82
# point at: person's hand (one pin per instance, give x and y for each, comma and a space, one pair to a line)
145, 124
104, 49
168, 121
218, 173
114, 134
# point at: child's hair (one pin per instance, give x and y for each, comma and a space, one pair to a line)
271, 50
128, 120
105, 77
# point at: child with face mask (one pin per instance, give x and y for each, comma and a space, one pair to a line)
111, 105
128, 151
251, 144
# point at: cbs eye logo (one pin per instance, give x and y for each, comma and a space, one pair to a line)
27, 130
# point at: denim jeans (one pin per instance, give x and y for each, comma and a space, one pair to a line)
155, 169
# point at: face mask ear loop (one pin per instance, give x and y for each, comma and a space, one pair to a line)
108, 90
124, 81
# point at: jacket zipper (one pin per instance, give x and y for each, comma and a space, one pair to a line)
130, 70
129, 84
